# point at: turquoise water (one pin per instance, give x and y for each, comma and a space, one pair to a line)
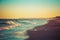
20, 32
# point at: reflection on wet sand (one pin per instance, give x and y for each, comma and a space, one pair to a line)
49, 31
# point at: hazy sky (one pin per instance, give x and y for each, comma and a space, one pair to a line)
29, 8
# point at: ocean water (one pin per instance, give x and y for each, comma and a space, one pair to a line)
18, 32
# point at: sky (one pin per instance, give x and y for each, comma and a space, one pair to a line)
29, 8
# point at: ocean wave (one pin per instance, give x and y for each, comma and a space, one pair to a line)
10, 25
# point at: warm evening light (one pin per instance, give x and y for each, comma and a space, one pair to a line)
29, 9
